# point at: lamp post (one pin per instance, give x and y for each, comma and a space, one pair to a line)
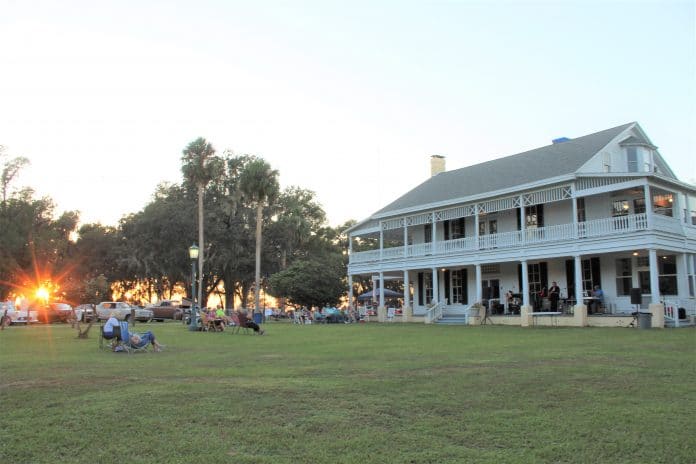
193, 255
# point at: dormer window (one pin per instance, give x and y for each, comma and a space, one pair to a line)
632, 158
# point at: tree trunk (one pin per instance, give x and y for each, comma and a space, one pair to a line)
257, 275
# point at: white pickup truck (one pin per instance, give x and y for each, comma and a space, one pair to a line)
17, 316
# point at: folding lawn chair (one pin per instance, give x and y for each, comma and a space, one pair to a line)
109, 344
126, 341
237, 325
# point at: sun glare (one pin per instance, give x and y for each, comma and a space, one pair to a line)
42, 294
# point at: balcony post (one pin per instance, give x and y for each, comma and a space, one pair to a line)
434, 233
525, 284
648, 206
523, 222
575, 216
405, 239
476, 226
381, 241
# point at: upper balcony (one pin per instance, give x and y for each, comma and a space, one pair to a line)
600, 228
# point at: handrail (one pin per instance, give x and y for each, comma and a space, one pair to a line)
434, 313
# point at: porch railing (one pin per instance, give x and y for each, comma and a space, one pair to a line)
557, 233
434, 313
672, 307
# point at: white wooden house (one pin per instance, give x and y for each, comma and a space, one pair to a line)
602, 210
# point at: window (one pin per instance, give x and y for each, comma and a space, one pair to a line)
618, 211
587, 276
666, 275
632, 159
662, 204
428, 286
691, 272
623, 277
428, 231
667, 272
534, 276
533, 216
458, 228
457, 284
620, 208
639, 206
494, 289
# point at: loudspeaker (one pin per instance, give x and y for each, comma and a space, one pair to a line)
486, 293
635, 296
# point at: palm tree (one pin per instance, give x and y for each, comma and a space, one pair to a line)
200, 166
259, 183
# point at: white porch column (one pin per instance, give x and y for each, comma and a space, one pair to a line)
578, 280
479, 290
407, 310
575, 217
405, 239
525, 284
523, 222
350, 291
476, 226
683, 276
436, 286
407, 289
381, 289
648, 206
434, 232
691, 265
654, 277
381, 241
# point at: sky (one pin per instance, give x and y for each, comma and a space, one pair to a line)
348, 99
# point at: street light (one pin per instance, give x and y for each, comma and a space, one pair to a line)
193, 255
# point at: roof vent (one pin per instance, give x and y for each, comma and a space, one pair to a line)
560, 140
437, 165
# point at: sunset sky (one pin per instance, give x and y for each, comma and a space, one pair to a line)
348, 99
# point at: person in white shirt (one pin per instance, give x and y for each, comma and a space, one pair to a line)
111, 327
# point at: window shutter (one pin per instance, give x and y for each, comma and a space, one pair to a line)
420, 289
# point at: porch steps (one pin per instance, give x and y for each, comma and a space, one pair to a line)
669, 323
453, 318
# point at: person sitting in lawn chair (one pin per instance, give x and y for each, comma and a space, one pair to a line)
245, 322
140, 340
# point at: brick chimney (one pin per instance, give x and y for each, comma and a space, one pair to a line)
437, 165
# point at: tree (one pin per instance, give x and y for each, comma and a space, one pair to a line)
10, 169
200, 166
316, 282
259, 183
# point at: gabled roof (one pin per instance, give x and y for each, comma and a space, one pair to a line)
551, 161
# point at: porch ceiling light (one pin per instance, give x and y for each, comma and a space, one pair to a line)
635, 253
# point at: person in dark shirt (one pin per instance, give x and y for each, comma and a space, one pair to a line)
244, 321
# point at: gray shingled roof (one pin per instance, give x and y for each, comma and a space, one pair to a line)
530, 166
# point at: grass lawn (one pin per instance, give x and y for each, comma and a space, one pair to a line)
368, 393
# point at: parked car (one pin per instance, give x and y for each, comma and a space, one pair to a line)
63, 311
17, 316
54, 312
122, 311
166, 309
84, 312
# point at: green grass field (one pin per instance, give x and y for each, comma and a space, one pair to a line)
368, 393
